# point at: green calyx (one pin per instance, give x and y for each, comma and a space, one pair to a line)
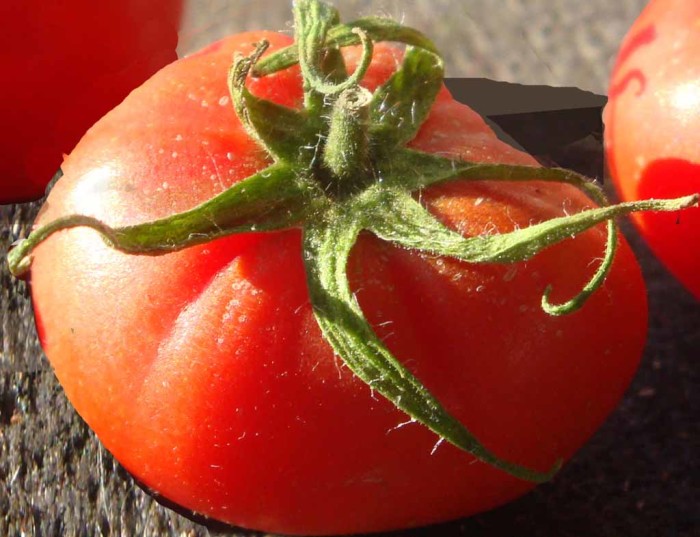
340, 166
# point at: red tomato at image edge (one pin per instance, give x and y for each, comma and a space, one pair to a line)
64, 65
205, 372
652, 129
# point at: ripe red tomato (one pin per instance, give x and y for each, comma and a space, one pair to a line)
652, 128
205, 372
65, 64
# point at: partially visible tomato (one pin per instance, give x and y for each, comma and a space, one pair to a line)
652, 128
64, 65
205, 372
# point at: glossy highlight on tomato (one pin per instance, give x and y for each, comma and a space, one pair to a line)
64, 65
205, 370
652, 128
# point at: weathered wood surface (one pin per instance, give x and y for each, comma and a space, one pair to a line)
633, 479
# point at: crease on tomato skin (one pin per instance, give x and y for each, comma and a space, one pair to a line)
146, 308
214, 351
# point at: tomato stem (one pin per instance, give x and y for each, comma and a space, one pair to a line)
346, 151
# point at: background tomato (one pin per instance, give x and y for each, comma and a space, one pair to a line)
205, 374
652, 128
64, 65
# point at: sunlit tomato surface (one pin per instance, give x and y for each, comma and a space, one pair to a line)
206, 375
64, 65
652, 128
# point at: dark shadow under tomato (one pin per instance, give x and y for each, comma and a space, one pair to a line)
215, 527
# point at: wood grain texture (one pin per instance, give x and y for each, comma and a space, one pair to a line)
633, 478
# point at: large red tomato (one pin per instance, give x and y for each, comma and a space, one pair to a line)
64, 65
205, 373
652, 128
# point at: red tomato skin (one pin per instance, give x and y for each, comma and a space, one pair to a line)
652, 128
205, 373
66, 64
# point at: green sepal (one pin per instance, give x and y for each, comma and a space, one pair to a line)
415, 170
274, 198
412, 170
342, 35
332, 61
404, 221
593, 284
327, 245
284, 133
312, 20
401, 105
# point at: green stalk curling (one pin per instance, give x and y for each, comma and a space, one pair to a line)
340, 166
